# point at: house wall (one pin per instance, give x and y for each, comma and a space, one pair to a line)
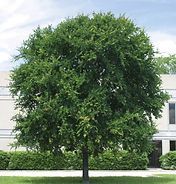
6, 113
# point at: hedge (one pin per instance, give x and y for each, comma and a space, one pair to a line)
168, 161
34, 161
4, 160
108, 160
119, 161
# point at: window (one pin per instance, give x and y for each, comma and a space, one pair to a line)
172, 145
171, 113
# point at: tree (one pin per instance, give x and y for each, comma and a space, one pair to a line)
87, 85
166, 65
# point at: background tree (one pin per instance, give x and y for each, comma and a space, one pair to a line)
87, 85
166, 65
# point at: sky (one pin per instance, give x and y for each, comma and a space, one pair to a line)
19, 18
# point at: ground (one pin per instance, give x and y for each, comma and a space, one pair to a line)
162, 179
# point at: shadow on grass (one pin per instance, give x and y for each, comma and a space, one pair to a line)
164, 179
52, 180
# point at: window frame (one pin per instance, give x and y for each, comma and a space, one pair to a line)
170, 120
172, 145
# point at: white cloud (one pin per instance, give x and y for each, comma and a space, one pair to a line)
4, 56
19, 18
9, 6
163, 42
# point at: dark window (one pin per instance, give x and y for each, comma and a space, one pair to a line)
171, 113
172, 145
155, 155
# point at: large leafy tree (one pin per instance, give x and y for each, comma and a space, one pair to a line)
89, 84
167, 64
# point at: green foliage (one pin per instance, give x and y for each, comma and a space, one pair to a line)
137, 133
121, 160
90, 82
34, 161
4, 160
108, 160
166, 65
73, 161
168, 161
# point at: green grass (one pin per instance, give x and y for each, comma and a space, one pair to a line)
164, 179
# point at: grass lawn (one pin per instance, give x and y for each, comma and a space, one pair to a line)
163, 179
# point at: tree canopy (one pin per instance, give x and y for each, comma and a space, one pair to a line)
167, 64
88, 84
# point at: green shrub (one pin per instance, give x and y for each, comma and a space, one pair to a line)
108, 160
35, 161
73, 161
4, 160
121, 160
168, 161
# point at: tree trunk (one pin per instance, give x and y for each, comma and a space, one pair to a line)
85, 165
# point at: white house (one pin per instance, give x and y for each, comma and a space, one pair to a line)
165, 139
167, 123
